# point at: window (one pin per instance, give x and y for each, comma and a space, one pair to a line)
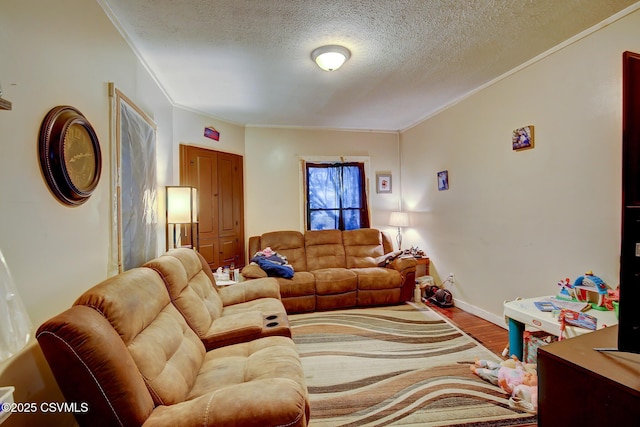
336, 196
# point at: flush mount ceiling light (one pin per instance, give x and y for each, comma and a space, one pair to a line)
330, 57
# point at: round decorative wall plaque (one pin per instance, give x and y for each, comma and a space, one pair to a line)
69, 155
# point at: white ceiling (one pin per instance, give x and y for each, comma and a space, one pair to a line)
248, 61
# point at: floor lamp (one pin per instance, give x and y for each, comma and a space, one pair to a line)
182, 209
399, 219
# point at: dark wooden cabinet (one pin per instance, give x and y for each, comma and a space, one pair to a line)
218, 176
629, 335
579, 386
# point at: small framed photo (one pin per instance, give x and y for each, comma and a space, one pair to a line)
443, 180
383, 183
522, 138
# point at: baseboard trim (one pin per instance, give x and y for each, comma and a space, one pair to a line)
490, 317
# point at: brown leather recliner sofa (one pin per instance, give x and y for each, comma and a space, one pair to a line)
127, 348
336, 269
220, 315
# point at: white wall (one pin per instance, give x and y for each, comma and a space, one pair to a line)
60, 53
515, 223
272, 173
53, 55
189, 127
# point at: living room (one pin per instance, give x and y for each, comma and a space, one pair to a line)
511, 224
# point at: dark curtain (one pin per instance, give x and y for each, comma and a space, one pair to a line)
336, 196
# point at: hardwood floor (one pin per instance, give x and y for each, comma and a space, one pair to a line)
490, 335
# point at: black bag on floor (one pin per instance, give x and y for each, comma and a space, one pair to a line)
440, 297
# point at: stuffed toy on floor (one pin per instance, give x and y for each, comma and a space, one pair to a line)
519, 380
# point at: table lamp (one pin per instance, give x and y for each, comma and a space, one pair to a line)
399, 219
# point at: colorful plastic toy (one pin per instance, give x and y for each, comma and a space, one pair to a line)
590, 288
566, 290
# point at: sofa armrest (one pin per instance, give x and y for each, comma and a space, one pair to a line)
250, 290
403, 264
233, 329
406, 266
386, 259
253, 271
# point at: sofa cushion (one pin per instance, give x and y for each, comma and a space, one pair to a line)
362, 247
248, 292
374, 278
335, 281
190, 288
324, 249
252, 379
302, 283
165, 349
261, 359
289, 244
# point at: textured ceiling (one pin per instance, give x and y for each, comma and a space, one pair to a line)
248, 61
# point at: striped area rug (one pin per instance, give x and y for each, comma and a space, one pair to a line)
403, 365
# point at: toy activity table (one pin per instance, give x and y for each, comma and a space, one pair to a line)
522, 313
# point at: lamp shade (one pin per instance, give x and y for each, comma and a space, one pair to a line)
182, 205
330, 57
399, 219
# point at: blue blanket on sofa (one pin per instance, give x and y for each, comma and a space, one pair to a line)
274, 269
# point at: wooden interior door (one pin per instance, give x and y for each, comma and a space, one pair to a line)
230, 191
199, 168
218, 177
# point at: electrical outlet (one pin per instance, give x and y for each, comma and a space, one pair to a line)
451, 279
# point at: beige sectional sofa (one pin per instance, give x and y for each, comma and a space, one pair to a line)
336, 269
161, 346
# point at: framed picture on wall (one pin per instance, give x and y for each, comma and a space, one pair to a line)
383, 182
522, 138
443, 180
